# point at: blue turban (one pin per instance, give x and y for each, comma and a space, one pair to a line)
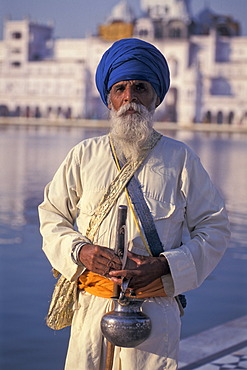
132, 59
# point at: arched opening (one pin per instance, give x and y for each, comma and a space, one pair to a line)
37, 113
27, 112
17, 111
49, 112
59, 112
4, 111
68, 113
219, 118
230, 117
208, 117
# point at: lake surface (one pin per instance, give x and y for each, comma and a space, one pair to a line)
28, 160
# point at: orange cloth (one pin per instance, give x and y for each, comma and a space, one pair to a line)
102, 287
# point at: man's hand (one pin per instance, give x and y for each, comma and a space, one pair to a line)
99, 259
141, 270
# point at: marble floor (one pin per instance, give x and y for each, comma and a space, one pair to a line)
222, 347
235, 360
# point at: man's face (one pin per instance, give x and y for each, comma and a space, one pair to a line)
133, 91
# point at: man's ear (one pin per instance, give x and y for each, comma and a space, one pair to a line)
157, 102
109, 105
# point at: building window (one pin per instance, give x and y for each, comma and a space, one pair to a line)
16, 51
143, 33
16, 35
36, 57
223, 30
220, 86
16, 64
175, 33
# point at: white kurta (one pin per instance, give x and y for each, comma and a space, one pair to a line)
179, 193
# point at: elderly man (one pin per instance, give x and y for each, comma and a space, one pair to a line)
175, 192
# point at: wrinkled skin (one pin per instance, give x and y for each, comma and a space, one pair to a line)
142, 270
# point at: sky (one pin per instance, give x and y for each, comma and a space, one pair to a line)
79, 18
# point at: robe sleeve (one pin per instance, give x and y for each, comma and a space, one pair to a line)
208, 225
58, 214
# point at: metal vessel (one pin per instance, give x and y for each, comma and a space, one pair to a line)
126, 325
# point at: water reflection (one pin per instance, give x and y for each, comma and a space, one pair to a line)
28, 159
225, 158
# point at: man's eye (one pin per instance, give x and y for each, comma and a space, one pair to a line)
119, 88
140, 87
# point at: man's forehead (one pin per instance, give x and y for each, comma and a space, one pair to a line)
132, 82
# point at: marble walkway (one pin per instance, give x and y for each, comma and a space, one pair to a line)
222, 347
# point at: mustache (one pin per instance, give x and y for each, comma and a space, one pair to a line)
138, 108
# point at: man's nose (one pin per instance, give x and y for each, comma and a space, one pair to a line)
129, 94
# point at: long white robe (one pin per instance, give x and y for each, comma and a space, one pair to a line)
180, 196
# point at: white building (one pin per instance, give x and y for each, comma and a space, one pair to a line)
207, 58
34, 82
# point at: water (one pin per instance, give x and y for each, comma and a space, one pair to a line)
28, 159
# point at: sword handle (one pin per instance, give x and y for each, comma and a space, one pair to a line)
120, 240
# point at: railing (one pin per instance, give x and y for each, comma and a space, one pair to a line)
95, 123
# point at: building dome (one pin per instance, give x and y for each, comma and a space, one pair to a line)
122, 12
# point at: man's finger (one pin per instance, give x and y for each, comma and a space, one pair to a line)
128, 274
138, 259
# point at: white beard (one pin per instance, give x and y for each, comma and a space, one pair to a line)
131, 132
